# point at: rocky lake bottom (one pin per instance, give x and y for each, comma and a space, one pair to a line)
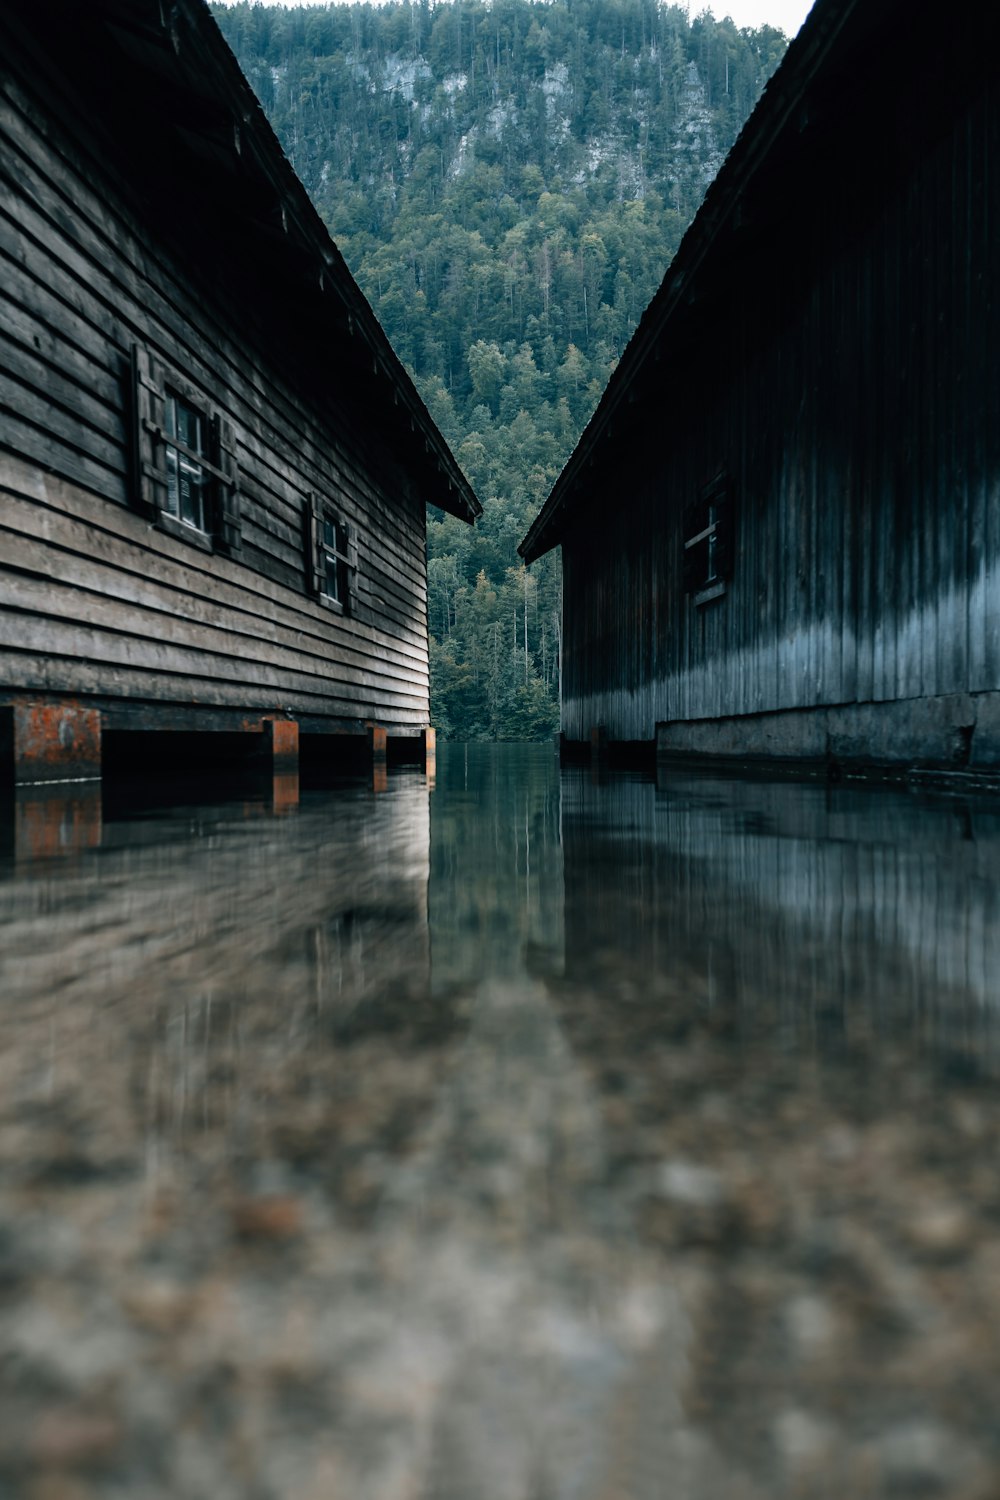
521, 1134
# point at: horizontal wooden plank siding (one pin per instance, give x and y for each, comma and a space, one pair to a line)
846, 380
93, 597
112, 591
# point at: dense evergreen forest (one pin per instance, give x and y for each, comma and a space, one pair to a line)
508, 183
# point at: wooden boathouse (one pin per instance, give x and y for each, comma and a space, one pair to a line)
214, 471
781, 528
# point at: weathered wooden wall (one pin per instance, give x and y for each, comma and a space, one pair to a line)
841, 368
96, 600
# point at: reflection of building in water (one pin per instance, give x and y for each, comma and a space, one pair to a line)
43, 821
828, 898
206, 925
243, 1026
37, 823
297, 1212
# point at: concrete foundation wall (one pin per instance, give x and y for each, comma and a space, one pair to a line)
959, 731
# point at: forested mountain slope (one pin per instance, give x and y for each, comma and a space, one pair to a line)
508, 183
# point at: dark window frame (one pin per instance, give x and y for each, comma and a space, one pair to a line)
189, 503
331, 562
708, 542
154, 386
336, 571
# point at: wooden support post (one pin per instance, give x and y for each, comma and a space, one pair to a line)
377, 749
49, 742
281, 745
428, 750
281, 749
377, 741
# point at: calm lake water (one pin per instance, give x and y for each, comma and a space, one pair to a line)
530, 1135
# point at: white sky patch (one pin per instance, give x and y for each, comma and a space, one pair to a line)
787, 15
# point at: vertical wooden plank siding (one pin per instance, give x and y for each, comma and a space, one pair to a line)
852, 393
985, 293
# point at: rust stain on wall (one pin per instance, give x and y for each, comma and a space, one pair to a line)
55, 742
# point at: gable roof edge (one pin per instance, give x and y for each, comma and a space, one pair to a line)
782, 96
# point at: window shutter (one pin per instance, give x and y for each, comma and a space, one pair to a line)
351, 601
148, 477
229, 534
724, 538
692, 557
312, 523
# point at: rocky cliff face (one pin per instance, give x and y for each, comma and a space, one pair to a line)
641, 101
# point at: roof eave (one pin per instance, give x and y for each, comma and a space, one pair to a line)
315, 262
766, 125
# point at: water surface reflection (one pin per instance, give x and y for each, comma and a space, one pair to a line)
534, 1135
